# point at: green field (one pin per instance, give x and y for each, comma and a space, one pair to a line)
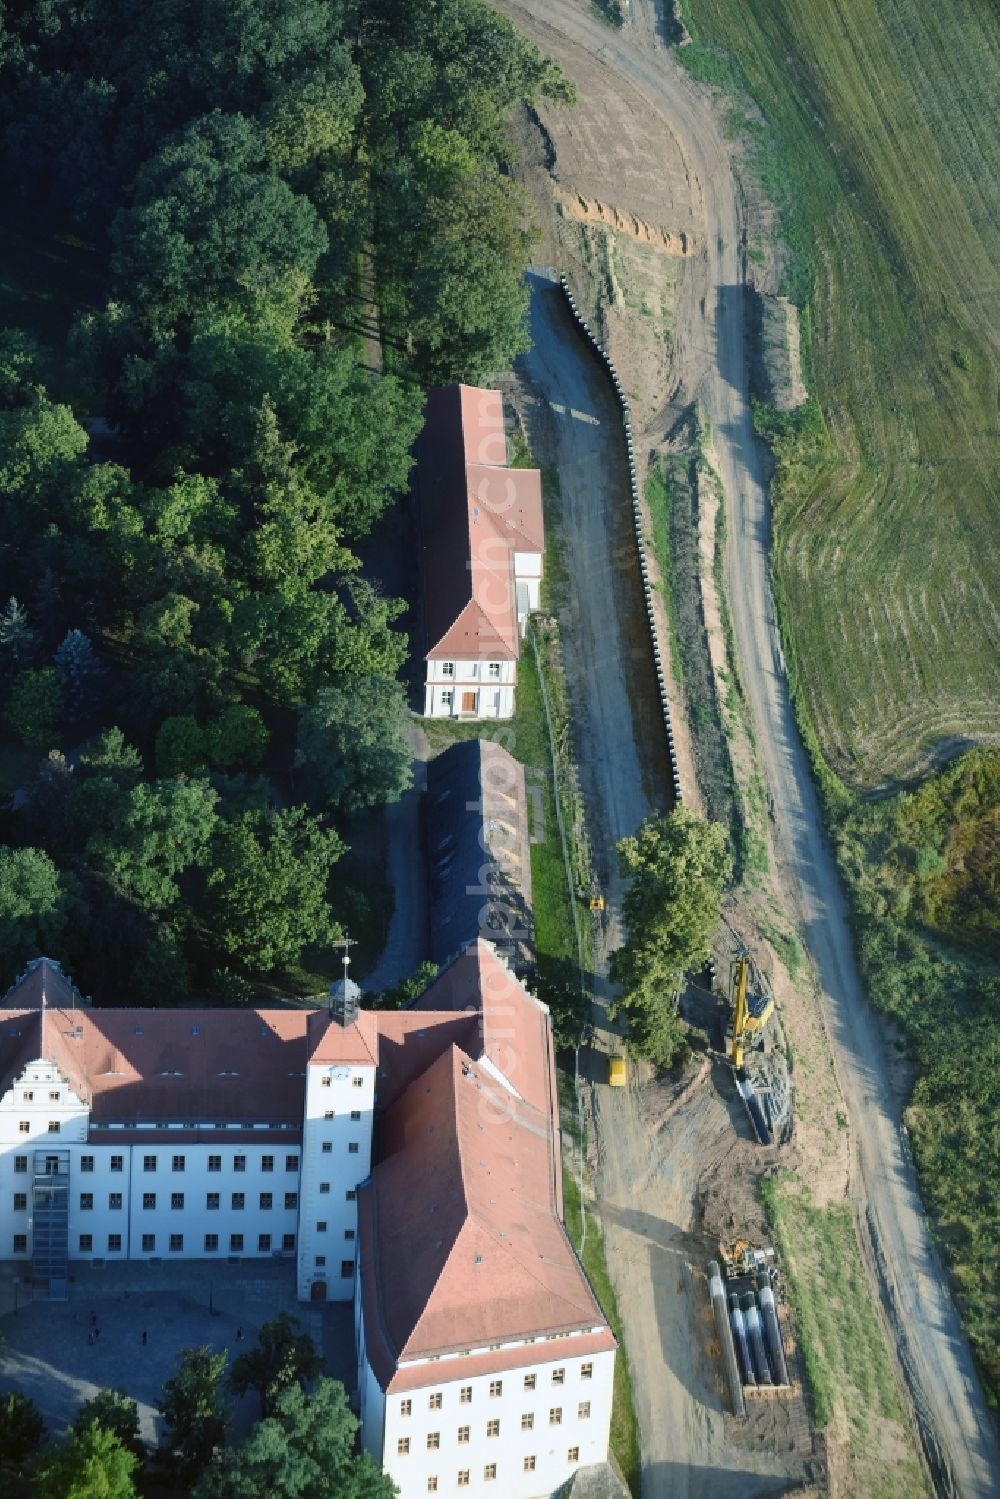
879, 144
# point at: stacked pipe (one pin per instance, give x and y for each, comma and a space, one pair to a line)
717, 1293
756, 1336
739, 1326
772, 1332
608, 364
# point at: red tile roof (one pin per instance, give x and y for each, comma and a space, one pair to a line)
475, 513
462, 1244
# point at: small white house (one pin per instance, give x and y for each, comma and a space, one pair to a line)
482, 543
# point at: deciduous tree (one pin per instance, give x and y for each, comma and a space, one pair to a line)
89, 1463
194, 1410
677, 866
284, 1355
352, 744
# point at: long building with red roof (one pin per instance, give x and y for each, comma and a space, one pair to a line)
481, 543
408, 1160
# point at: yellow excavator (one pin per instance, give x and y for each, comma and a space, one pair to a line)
753, 1007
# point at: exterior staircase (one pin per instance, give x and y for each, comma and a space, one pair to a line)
50, 1224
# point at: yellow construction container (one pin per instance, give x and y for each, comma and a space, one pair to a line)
617, 1072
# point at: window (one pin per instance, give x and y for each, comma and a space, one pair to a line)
355, 1115
211, 1243
291, 1163
86, 1163
114, 1243
447, 668
20, 1243
149, 1163
530, 1380
86, 1243
20, 1163
555, 1416
583, 1410
558, 1376
528, 1421
327, 1147
432, 1484
346, 1269
325, 1082
406, 1407
586, 1371
20, 1202
114, 1202
463, 1478
464, 1434
403, 1446
321, 1260
490, 1472
529, 1465
288, 1242
350, 1194
573, 1455
235, 1243
494, 670
265, 1201
465, 1395
496, 1388
148, 1243
177, 1201
353, 1147
86, 1202
435, 1401
29, 1095
239, 1163
149, 1201
54, 1126
324, 1188
263, 1242
321, 1226
212, 1201
238, 1200
118, 1163
493, 1428
357, 1082
433, 1441
267, 1163
291, 1201
215, 1163
176, 1243
177, 1163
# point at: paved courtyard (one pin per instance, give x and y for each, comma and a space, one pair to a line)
47, 1350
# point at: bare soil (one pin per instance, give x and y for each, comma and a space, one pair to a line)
645, 144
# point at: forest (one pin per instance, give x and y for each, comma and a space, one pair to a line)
198, 682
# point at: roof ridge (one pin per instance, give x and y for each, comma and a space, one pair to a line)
471, 603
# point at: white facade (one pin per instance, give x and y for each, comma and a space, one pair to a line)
336, 1156
196, 1190
469, 689
519, 1432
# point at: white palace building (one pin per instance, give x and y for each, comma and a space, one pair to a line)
406, 1160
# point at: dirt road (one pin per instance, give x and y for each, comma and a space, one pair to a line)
957, 1428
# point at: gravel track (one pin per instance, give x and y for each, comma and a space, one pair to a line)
958, 1431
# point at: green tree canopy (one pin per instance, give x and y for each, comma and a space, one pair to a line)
35, 706
38, 905
21, 1426
211, 227
165, 828
89, 1463
352, 744
678, 865
114, 1411
268, 886
303, 1450
194, 1411
284, 1355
